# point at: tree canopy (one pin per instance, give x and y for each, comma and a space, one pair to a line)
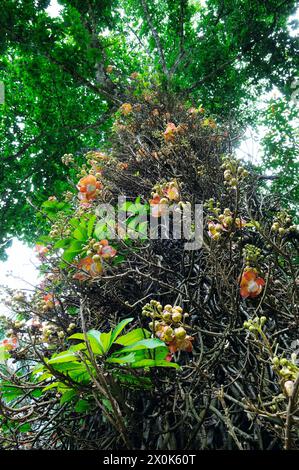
65, 77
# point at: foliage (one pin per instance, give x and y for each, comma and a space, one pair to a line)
280, 149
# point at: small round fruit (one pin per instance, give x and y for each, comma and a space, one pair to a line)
180, 333
176, 317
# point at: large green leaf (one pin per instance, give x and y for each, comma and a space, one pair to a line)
65, 356
118, 329
133, 336
90, 225
154, 363
149, 343
67, 396
127, 359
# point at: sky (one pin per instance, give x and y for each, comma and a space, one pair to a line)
20, 270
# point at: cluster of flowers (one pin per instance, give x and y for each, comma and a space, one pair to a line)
163, 195
223, 222
287, 370
283, 224
251, 284
92, 265
126, 108
172, 131
167, 323
10, 343
233, 172
252, 255
59, 229
48, 302
89, 185
67, 159
46, 331
255, 325
194, 111
41, 251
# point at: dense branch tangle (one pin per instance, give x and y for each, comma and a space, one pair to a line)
228, 394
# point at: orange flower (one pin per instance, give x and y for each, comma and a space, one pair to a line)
41, 250
134, 75
184, 344
88, 268
87, 187
10, 344
157, 208
126, 108
106, 251
251, 285
49, 300
169, 134
214, 230
172, 193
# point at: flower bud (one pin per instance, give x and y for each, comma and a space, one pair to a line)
176, 317
180, 333
275, 361
289, 387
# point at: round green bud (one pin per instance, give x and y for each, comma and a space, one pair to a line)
283, 361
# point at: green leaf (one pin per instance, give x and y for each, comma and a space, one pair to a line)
133, 336
69, 395
69, 255
78, 347
90, 225
81, 406
96, 345
25, 428
80, 234
105, 341
9, 392
107, 404
154, 363
77, 336
49, 387
62, 243
150, 343
65, 356
127, 359
74, 222
118, 329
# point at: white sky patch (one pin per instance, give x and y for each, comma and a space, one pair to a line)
19, 271
54, 9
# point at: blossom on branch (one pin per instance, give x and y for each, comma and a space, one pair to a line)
251, 285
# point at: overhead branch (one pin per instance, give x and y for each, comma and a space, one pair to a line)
156, 38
